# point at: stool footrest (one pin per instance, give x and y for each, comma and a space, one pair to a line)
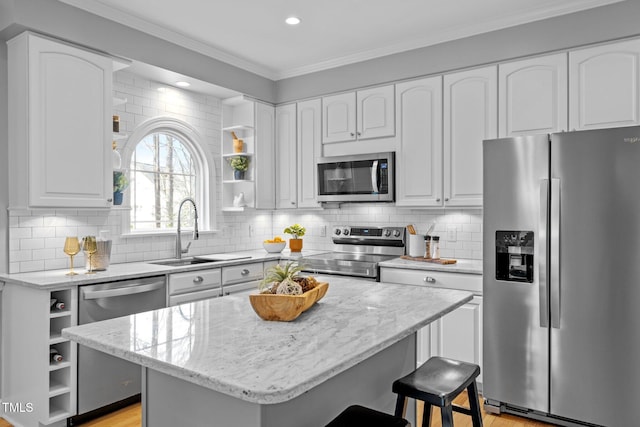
461, 409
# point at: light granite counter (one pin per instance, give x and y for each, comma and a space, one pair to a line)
222, 345
57, 279
469, 266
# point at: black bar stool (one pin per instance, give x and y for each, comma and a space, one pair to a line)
437, 382
359, 416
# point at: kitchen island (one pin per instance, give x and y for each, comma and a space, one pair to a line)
215, 362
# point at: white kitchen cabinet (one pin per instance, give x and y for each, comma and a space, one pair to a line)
254, 123
533, 96
309, 148
60, 124
286, 157
470, 116
365, 114
419, 135
457, 335
604, 86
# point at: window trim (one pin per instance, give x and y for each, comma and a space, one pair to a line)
204, 163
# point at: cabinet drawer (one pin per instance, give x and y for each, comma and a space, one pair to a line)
194, 296
242, 273
438, 279
194, 280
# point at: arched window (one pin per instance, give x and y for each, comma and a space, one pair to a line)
164, 173
167, 163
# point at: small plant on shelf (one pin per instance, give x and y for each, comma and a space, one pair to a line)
239, 164
120, 183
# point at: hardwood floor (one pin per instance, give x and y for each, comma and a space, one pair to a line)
131, 416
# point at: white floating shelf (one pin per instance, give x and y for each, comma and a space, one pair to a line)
237, 154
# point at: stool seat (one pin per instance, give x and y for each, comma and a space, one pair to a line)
359, 416
437, 383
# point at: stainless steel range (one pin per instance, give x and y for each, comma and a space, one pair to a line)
357, 251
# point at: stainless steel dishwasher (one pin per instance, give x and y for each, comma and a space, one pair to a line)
103, 379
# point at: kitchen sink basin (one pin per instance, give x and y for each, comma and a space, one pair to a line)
184, 261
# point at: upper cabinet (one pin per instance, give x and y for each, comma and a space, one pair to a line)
470, 116
533, 96
419, 133
365, 114
286, 156
254, 124
604, 86
60, 125
309, 148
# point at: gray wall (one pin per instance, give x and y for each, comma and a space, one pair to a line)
591, 26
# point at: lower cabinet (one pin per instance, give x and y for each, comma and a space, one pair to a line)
457, 335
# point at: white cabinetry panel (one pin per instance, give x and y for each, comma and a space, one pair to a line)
265, 156
375, 113
339, 117
533, 96
309, 148
604, 86
286, 157
419, 132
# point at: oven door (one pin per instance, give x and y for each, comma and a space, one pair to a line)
361, 178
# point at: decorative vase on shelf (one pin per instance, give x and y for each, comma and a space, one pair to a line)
117, 198
295, 245
237, 174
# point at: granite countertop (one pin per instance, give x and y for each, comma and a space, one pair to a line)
469, 266
223, 345
57, 279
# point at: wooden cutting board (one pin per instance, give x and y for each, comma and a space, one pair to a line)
442, 261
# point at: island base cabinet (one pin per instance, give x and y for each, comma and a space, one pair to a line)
169, 401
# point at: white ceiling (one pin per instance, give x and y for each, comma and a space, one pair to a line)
252, 35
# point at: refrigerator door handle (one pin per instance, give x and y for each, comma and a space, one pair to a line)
554, 259
543, 253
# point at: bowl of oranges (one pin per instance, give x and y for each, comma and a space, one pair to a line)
274, 245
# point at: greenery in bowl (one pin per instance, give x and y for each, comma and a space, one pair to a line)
296, 230
120, 182
240, 163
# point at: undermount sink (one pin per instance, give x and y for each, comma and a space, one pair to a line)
183, 261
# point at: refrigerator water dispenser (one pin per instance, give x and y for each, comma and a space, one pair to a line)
514, 256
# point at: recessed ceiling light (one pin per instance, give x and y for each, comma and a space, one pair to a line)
292, 20
183, 84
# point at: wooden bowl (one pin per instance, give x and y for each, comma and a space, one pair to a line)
285, 308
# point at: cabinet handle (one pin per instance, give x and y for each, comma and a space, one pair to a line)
429, 279
438, 199
109, 200
198, 279
352, 134
446, 199
293, 203
245, 272
359, 134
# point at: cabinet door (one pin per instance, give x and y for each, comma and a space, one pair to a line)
286, 157
604, 89
309, 148
419, 132
470, 116
265, 178
375, 112
68, 92
458, 335
339, 118
533, 96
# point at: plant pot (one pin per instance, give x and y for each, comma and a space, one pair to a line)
117, 198
238, 174
295, 245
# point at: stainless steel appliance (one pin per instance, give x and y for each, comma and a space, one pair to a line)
104, 379
360, 178
561, 276
358, 250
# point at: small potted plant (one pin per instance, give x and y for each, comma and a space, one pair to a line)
120, 183
296, 231
240, 164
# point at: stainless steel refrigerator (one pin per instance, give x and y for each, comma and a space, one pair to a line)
562, 276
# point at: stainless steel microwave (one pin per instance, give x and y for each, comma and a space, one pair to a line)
359, 178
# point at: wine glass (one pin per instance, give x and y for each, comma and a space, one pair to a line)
71, 248
89, 246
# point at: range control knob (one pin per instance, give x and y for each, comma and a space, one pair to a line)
337, 232
387, 233
345, 231
396, 233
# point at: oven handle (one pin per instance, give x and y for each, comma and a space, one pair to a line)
118, 292
374, 176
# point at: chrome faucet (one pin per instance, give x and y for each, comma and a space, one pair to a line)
179, 250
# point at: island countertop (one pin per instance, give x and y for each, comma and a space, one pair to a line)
221, 344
